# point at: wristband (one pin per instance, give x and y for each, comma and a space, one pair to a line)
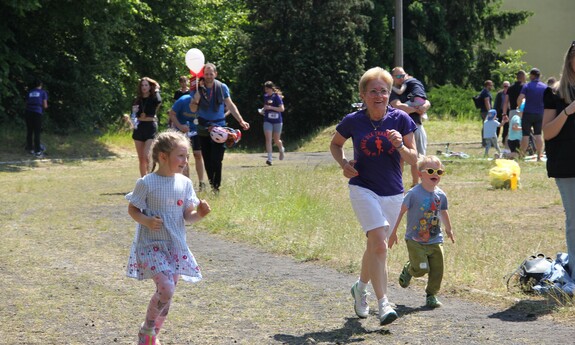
400, 146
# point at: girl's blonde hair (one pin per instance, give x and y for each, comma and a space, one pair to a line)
165, 142
423, 161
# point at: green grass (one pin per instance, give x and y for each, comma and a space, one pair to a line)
298, 209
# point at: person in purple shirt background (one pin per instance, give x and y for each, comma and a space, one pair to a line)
382, 138
36, 102
532, 92
273, 121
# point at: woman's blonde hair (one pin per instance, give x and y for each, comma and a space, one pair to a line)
423, 161
165, 142
373, 74
566, 89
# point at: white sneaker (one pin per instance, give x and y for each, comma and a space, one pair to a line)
282, 153
360, 301
386, 314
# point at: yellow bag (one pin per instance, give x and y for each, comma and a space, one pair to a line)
505, 174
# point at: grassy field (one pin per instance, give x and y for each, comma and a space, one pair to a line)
54, 210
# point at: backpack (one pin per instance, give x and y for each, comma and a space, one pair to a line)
477, 101
531, 272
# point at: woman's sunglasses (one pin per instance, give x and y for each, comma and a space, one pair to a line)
430, 171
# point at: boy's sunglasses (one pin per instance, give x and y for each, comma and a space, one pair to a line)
430, 171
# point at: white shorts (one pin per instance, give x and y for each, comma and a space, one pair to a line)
374, 211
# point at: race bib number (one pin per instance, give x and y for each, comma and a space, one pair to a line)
273, 115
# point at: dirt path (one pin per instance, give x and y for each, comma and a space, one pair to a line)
247, 296
275, 300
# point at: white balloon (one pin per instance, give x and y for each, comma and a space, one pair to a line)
195, 60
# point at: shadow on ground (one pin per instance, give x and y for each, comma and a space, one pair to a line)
350, 333
526, 311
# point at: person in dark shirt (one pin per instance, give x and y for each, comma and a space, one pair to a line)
36, 102
559, 135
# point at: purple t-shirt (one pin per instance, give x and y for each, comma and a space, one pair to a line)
272, 116
35, 100
533, 92
378, 161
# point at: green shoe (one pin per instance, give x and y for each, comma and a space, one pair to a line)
433, 302
405, 277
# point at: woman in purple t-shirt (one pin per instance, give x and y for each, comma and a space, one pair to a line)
382, 138
36, 102
273, 122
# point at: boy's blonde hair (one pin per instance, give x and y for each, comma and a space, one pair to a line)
166, 142
423, 161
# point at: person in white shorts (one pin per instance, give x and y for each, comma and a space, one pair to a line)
382, 137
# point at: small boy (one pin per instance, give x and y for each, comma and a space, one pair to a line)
515, 135
490, 131
426, 207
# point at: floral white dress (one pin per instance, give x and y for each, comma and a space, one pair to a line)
166, 250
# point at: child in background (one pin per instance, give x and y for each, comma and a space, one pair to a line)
515, 135
490, 131
426, 207
161, 203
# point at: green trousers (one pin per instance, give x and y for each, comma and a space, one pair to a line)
426, 259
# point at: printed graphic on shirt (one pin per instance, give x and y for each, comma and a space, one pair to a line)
428, 226
375, 143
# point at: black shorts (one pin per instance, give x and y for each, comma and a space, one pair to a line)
514, 145
530, 119
146, 130
195, 141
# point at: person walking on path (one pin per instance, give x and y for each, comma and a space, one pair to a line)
382, 137
161, 203
426, 208
209, 101
408, 94
36, 103
532, 116
559, 134
490, 127
184, 120
273, 121
144, 111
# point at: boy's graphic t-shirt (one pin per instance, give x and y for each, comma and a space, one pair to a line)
423, 221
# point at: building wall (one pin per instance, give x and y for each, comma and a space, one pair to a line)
546, 36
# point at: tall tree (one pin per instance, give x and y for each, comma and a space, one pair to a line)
313, 50
447, 41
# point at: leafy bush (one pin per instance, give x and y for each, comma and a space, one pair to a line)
450, 102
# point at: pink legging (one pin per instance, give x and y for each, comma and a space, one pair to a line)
160, 303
